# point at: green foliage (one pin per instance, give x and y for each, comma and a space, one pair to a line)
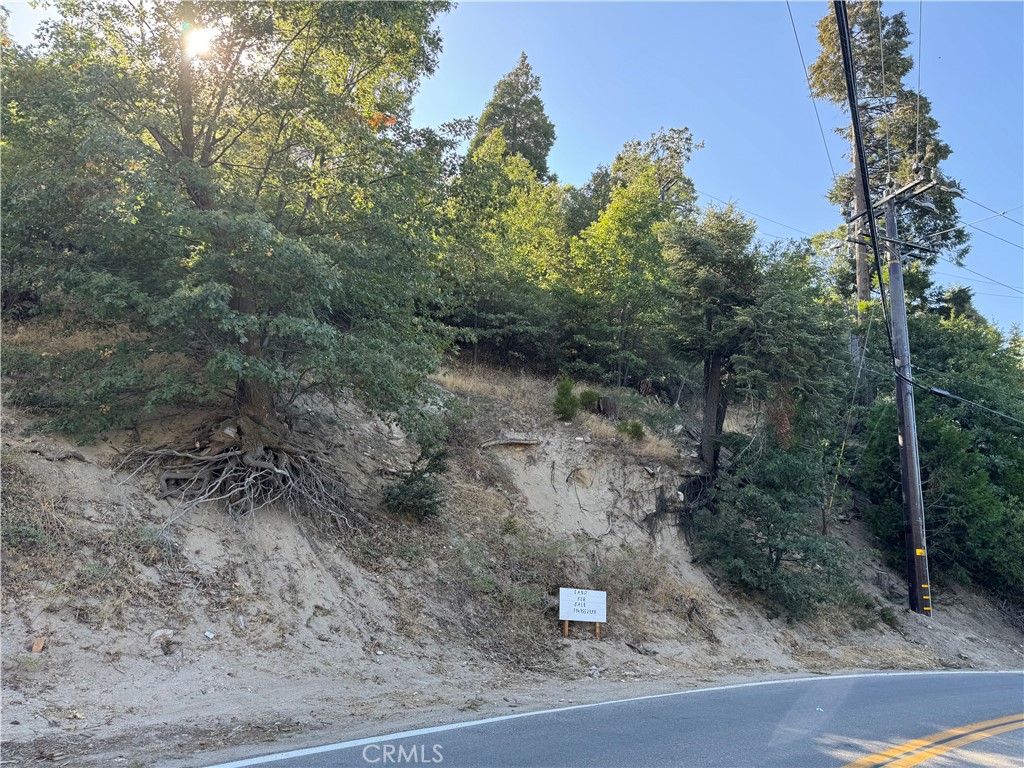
24, 537
499, 242
589, 399
634, 430
516, 108
418, 492
972, 461
566, 403
232, 231
612, 292
764, 532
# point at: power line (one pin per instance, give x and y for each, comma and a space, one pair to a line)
972, 224
920, 65
878, 368
960, 224
997, 213
997, 237
843, 25
810, 91
885, 94
849, 419
944, 393
961, 277
989, 279
962, 378
755, 215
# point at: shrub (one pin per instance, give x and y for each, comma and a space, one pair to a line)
589, 399
764, 533
418, 491
634, 430
566, 403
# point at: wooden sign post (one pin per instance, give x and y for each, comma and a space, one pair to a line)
582, 605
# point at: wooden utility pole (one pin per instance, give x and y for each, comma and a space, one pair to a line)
860, 249
918, 583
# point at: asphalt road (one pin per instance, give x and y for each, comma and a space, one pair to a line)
948, 718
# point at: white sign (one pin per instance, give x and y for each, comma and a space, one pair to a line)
582, 605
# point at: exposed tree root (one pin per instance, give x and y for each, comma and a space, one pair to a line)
247, 466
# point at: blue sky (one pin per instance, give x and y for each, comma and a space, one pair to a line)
730, 72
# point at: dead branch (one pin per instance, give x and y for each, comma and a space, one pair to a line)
512, 440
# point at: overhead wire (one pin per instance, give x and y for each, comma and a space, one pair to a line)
884, 370
961, 377
849, 417
997, 237
885, 96
970, 279
960, 224
993, 210
920, 65
944, 393
755, 215
979, 274
810, 90
843, 24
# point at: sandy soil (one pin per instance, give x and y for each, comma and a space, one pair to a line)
171, 636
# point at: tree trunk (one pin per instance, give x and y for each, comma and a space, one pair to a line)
253, 397
714, 414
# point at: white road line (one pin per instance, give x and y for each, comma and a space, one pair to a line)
486, 721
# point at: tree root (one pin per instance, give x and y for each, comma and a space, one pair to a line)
247, 466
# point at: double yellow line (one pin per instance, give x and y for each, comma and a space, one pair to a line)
917, 751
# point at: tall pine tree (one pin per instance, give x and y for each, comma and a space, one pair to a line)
900, 134
517, 109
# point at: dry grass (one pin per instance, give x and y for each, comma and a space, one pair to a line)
515, 390
96, 569
641, 584
652, 447
51, 336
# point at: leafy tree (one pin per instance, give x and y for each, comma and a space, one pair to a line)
713, 278
251, 221
972, 460
566, 403
517, 109
616, 283
792, 344
614, 295
500, 241
582, 206
666, 152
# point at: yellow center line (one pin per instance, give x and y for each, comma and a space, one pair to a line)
928, 754
950, 739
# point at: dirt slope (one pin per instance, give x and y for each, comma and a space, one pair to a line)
169, 634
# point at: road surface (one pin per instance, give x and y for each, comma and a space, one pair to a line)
887, 719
